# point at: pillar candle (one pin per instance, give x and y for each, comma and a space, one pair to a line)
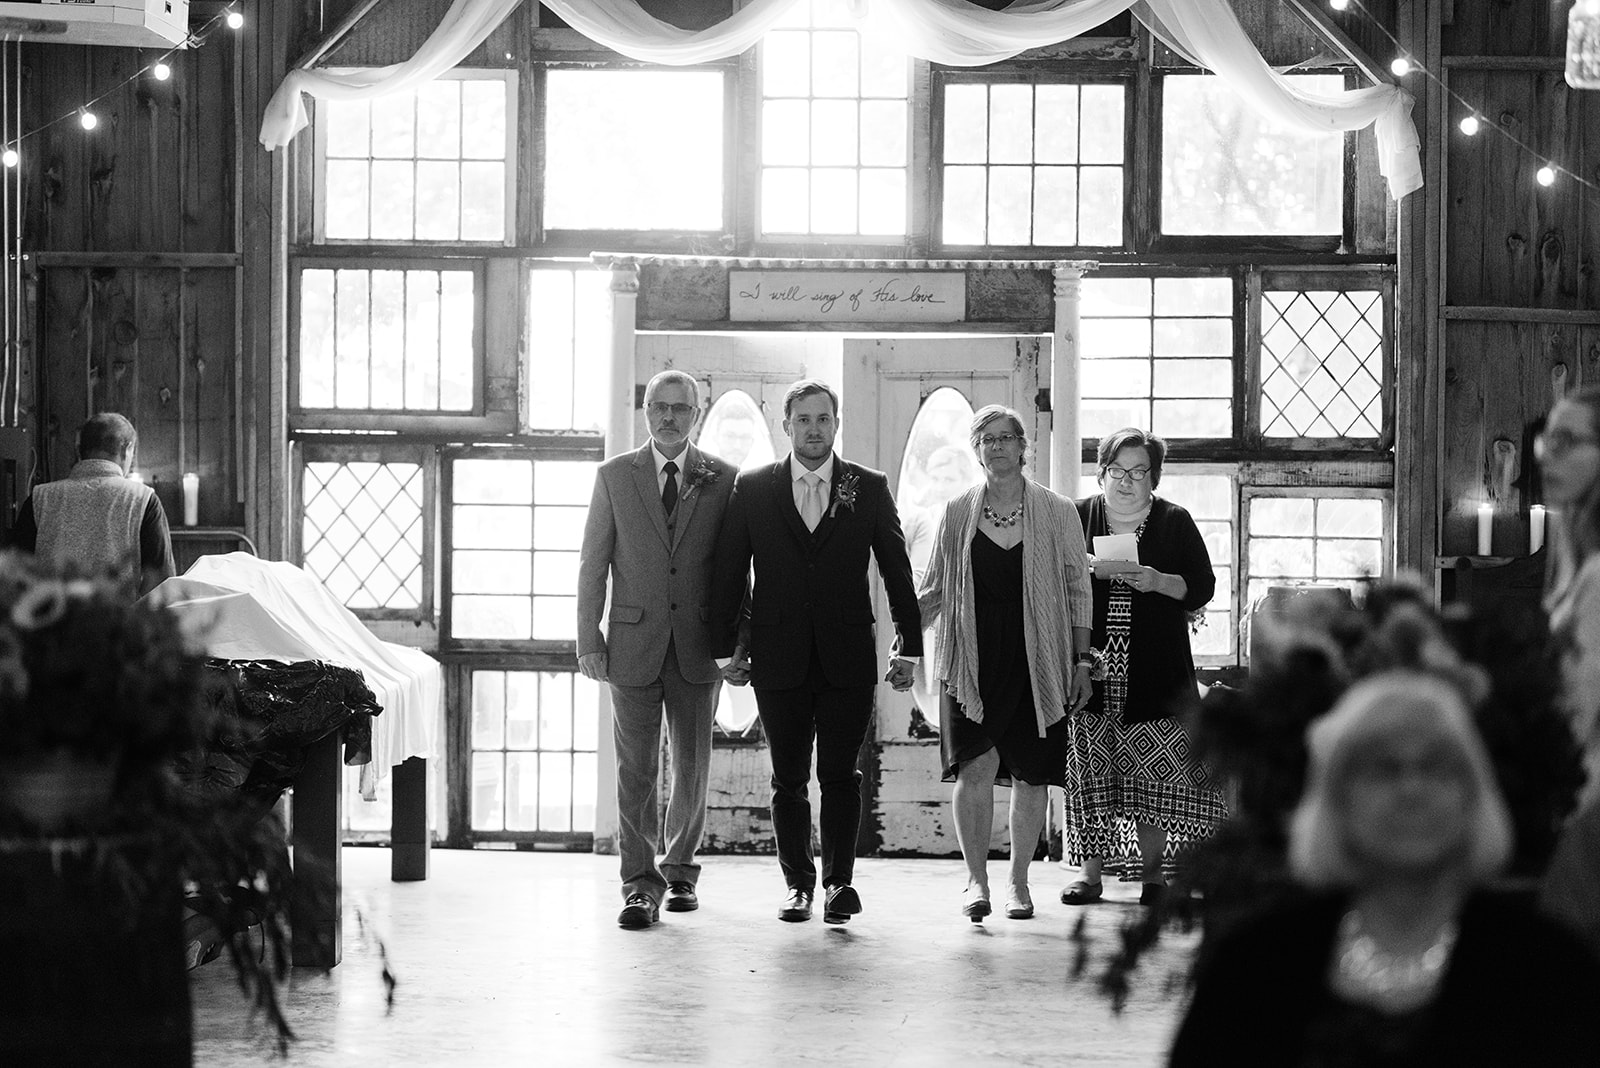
1485, 528
1535, 528
191, 500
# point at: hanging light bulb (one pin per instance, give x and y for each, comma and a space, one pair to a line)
1546, 175
161, 71
235, 20
9, 157
1470, 125
1401, 66
88, 119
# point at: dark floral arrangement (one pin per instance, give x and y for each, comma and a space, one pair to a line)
1253, 739
845, 493
86, 669
701, 474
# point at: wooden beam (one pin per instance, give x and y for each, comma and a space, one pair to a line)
1504, 62
351, 19
1573, 316
1312, 12
162, 260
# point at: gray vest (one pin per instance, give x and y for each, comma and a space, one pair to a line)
91, 518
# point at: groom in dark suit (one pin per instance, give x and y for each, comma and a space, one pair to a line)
810, 523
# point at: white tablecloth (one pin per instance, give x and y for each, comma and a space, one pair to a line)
246, 608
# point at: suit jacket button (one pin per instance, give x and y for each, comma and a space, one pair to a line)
672, 571
674, 608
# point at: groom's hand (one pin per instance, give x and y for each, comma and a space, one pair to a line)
737, 671
901, 673
594, 666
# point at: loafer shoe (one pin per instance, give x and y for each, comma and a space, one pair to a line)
796, 907
1080, 892
842, 903
639, 911
975, 903
1019, 904
1153, 894
681, 897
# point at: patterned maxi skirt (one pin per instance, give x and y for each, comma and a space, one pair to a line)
1122, 774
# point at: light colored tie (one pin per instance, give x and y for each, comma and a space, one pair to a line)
811, 511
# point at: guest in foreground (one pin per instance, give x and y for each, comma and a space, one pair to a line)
1008, 585
1568, 449
97, 518
652, 532
1397, 955
1135, 795
810, 524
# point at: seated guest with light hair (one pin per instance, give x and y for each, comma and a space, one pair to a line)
1398, 955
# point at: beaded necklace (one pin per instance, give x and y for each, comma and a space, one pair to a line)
1010, 519
1366, 966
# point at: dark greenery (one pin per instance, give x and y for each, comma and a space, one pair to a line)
1253, 739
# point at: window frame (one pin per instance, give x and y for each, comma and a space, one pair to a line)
314, 234
1108, 73
1160, 242
376, 451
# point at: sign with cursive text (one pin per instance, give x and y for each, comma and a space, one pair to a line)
847, 296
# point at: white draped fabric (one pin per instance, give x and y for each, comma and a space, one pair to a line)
952, 32
463, 29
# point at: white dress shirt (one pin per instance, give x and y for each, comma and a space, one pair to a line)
661, 465
798, 473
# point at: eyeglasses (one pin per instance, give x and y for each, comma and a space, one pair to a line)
1558, 442
660, 410
1128, 474
989, 440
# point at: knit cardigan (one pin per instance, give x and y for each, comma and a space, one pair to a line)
1055, 598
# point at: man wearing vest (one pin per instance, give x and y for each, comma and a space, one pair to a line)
97, 518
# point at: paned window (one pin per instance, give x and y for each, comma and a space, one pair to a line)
833, 127
402, 340
534, 746
516, 526
1030, 163
429, 165
1322, 364
569, 348
633, 150
1314, 537
1158, 353
1227, 169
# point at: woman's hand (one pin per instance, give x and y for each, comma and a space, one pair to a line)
1082, 688
1144, 580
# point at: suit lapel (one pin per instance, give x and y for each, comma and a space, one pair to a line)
686, 504
830, 515
644, 478
783, 476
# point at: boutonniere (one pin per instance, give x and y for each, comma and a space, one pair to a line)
845, 493
701, 474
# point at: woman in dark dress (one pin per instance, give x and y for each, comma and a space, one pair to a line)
1135, 796
1007, 591
1396, 956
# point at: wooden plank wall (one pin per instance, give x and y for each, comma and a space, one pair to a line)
1516, 301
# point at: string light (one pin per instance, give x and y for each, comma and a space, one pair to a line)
1474, 120
159, 68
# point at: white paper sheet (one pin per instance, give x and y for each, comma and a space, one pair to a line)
1116, 547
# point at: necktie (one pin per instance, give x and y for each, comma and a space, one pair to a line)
669, 492
812, 511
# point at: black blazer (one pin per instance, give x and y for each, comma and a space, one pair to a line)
811, 588
1160, 666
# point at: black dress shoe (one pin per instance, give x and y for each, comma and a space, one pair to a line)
796, 907
842, 903
1153, 894
681, 897
639, 911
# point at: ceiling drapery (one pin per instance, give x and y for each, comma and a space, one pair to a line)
952, 32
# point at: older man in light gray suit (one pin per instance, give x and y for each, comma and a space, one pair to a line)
652, 530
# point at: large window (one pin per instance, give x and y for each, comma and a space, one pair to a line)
1032, 163
633, 150
423, 166
1322, 363
569, 347
1226, 169
366, 527
1314, 537
534, 752
833, 127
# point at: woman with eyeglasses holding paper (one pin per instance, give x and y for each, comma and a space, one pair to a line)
1135, 797
1568, 450
1007, 591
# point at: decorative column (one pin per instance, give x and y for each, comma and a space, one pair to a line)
619, 439
1066, 388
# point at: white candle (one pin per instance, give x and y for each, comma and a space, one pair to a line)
1485, 528
1535, 528
191, 500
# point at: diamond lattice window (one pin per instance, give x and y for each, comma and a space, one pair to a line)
362, 532
1321, 364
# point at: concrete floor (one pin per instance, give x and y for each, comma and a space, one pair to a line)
516, 958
